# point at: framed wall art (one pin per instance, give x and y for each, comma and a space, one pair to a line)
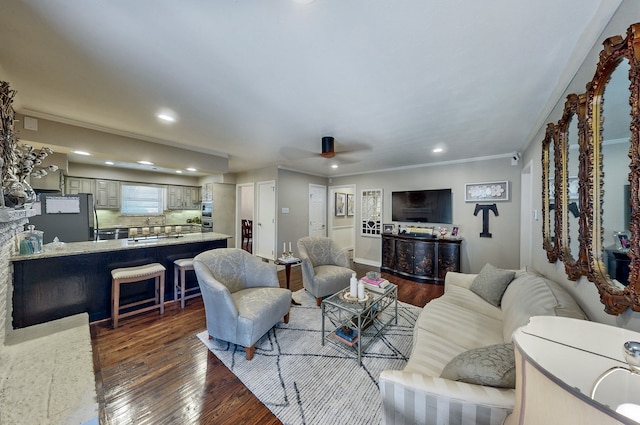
351, 204
341, 204
486, 191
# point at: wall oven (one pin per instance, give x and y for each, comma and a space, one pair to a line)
207, 216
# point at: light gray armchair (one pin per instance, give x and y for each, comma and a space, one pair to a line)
242, 296
325, 267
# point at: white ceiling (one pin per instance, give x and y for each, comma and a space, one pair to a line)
263, 81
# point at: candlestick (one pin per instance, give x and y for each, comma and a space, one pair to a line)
290, 248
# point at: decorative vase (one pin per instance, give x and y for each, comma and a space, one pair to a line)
19, 195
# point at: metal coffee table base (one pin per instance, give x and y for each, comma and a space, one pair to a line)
367, 318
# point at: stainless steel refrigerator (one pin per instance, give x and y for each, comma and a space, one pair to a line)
71, 218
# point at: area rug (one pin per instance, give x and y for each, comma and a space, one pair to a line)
305, 383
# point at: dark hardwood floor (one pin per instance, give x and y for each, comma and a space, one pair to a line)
153, 369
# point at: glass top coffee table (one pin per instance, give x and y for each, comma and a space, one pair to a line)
353, 324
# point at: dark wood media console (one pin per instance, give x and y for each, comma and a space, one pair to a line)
420, 258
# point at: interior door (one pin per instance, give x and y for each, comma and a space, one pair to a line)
317, 210
264, 231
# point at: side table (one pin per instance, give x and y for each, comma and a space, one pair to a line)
287, 271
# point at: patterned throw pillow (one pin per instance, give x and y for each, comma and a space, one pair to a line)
491, 283
493, 366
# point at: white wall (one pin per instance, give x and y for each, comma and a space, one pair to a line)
293, 193
583, 290
502, 250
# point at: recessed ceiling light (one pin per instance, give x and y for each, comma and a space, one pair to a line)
145, 162
191, 169
166, 117
82, 153
108, 162
334, 166
437, 150
179, 171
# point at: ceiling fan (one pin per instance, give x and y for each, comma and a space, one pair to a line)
328, 151
328, 148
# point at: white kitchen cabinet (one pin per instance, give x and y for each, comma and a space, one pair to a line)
175, 194
75, 185
207, 192
191, 198
182, 198
107, 194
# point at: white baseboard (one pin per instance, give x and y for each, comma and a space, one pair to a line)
366, 262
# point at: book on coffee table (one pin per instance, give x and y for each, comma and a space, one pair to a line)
378, 285
349, 342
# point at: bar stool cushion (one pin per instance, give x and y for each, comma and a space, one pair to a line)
137, 271
184, 262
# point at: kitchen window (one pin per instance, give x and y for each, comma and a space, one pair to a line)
140, 199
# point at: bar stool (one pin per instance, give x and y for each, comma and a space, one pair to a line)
180, 268
136, 274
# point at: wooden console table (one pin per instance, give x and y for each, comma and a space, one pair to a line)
420, 258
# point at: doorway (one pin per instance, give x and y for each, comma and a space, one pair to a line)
264, 228
317, 210
244, 208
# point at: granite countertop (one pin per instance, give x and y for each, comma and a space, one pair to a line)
151, 226
76, 248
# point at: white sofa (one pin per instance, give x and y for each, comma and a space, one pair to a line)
457, 322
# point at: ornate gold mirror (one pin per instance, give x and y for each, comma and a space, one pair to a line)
569, 131
549, 193
612, 105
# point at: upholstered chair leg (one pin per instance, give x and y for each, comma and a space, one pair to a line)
318, 301
250, 351
286, 318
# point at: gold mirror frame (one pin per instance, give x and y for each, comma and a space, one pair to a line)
549, 240
615, 299
576, 263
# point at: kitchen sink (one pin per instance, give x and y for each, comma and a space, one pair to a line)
112, 233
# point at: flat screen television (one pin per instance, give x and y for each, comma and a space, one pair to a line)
422, 206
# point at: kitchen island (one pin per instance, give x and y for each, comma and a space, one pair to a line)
76, 277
